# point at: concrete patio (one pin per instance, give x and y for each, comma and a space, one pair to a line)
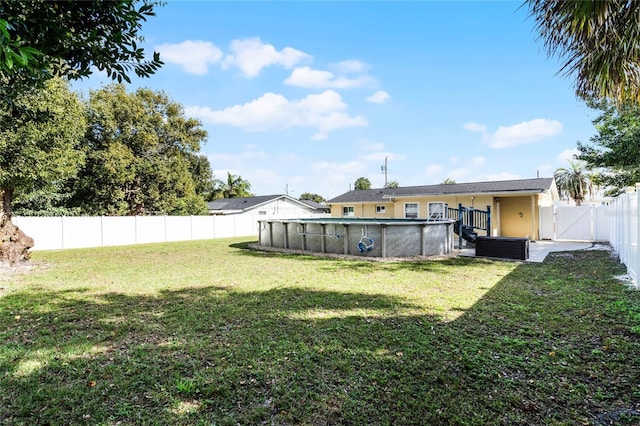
538, 250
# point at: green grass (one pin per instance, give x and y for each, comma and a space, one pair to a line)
208, 332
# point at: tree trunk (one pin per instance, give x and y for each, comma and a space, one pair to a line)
14, 244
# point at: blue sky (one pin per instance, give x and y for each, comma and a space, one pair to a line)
309, 96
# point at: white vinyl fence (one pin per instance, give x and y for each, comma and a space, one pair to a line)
55, 233
624, 230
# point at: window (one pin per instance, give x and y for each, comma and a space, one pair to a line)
411, 210
347, 211
262, 212
381, 209
436, 211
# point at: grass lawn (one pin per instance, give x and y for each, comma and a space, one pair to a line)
208, 332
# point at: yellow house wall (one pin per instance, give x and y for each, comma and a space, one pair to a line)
505, 218
479, 202
519, 217
363, 210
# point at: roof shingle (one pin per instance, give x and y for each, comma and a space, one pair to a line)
505, 186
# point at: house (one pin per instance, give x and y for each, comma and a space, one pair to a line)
281, 206
515, 204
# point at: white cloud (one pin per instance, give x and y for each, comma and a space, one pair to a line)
370, 146
502, 176
379, 157
458, 174
434, 169
324, 111
379, 97
546, 169
248, 153
477, 161
567, 155
475, 127
339, 173
193, 56
266, 176
251, 55
524, 133
350, 66
309, 78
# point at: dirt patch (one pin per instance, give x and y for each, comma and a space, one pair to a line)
7, 272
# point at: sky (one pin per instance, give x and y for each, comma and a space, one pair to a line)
309, 96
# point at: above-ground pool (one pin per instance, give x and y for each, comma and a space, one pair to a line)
366, 237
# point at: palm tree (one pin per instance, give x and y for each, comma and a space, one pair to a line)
234, 187
597, 41
362, 183
574, 181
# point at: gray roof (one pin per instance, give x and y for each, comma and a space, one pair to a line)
246, 203
315, 205
495, 187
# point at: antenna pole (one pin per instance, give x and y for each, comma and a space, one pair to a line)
385, 170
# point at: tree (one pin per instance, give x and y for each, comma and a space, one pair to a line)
615, 149
312, 197
234, 187
362, 183
140, 156
448, 181
393, 184
38, 150
202, 175
574, 181
52, 201
41, 38
597, 41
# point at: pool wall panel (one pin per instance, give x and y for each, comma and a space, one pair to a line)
393, 239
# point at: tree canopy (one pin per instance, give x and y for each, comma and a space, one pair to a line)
40, 38
234, 187
614, 151
310, 196
362, 183
598, 43
140, 154
574, 181
38, 149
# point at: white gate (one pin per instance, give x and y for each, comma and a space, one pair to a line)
582, 223
547, 225
575, 223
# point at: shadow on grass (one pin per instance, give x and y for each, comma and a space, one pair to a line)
544, 345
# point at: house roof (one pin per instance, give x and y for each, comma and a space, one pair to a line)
494, 187
241, 204
315, 205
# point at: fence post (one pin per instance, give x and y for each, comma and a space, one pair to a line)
636, 260
460, 220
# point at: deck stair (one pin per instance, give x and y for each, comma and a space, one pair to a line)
468, 220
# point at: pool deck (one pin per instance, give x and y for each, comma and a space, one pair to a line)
538, 250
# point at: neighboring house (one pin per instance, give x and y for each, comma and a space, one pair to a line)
281, 206
515, 204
